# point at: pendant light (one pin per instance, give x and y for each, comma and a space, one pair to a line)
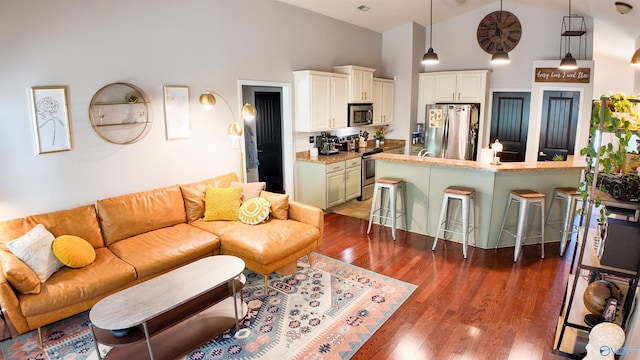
568, 62
500, 56
430, 57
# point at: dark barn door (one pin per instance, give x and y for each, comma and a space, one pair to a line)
269, 140
559, 124
510, 123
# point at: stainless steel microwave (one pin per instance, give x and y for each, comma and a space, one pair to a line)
360, 114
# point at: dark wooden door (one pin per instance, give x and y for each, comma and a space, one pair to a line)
269, 140
558, 124
510, 123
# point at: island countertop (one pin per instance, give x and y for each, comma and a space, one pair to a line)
427, 178
477, 165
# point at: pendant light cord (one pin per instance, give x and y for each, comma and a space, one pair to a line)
431, 25
569, 40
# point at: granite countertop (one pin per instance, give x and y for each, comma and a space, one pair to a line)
389, 145
482, 166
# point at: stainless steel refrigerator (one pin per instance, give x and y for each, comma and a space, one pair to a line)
451, 131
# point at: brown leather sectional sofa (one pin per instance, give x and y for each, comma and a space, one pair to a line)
142, 235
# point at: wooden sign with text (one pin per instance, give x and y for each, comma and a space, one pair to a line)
579, 75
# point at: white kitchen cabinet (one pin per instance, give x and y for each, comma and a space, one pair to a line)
360, 82
320, 100
461, 86
383, 101
426, 94
353, 178
328, 185
335, 184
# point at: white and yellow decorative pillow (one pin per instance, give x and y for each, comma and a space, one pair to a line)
254, 211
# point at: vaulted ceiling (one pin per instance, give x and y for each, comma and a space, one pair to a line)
384, 15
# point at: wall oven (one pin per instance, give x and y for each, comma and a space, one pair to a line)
360, 114
368, 174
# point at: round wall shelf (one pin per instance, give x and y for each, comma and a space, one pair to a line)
119, 113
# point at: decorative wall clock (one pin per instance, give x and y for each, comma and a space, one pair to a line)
499, 30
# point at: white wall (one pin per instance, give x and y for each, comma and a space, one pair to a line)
612, 55
400, 59
204, 44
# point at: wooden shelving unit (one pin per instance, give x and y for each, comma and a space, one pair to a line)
572, 331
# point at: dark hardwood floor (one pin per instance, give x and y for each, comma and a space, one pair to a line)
484, 307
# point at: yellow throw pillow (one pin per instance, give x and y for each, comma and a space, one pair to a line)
279, 204
222, 203
254, 211
73, 251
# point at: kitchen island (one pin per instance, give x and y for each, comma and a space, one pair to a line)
426, 178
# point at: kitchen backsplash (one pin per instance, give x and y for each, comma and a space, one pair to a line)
302, 138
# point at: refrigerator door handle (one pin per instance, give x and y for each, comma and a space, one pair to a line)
445, 135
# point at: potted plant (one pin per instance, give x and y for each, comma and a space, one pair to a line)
379, 135
620, 120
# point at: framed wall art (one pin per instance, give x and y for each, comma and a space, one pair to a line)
176, 112
50, 119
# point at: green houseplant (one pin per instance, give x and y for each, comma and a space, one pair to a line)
619, 118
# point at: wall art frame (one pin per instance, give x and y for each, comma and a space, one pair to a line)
50, 119
176, 112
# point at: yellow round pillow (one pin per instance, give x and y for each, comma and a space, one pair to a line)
254, 211
73, 251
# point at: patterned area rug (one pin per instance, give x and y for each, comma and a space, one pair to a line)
327, 311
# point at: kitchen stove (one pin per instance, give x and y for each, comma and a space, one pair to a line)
368, 173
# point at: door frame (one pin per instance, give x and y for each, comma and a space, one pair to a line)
288, 152
584, 112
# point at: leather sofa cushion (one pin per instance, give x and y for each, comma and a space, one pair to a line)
194, 194
275, 238
67, 286
157, 251
81, 221
19, 275
133, 214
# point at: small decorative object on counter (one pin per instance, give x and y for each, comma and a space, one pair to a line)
496, 147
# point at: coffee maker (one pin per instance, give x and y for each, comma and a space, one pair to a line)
326, 144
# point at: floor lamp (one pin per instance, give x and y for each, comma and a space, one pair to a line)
208, 100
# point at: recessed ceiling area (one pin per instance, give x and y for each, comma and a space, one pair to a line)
384, 15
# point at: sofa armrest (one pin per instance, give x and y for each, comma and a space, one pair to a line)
11, 308
307, 214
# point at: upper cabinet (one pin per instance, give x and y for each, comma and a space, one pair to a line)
461, 86
320, 100
452, 87
426, 94
383, 102
360, 82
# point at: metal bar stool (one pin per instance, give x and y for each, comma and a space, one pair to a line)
395, 188
526, 199
570, 196
467, 199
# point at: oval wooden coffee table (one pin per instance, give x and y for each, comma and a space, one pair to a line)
172, 313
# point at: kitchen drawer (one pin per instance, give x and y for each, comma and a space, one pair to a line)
335, 167
353, 162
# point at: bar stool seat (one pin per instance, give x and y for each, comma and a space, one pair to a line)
525, 199
570, 196
393, 188
467, 200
